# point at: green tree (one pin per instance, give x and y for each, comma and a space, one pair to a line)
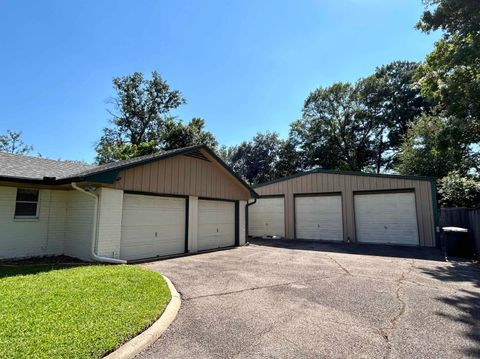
455, 190
334, 132
450, 74
142, 123
390, 101
288, 162
436, 145
12, 142
178, 135
255, 160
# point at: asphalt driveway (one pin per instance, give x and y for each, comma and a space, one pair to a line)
277, 299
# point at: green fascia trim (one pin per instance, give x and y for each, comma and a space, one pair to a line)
104, 177
346, 173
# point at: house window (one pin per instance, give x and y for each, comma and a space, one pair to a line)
26, 205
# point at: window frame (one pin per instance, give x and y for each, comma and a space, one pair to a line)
37, 202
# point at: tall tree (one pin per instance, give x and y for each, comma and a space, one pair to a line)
435, 146
334, 132
142, 123
451, 72
255, 160
391, 101
178, 135
12, 142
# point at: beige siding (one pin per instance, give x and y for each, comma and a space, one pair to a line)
347, 185
183, 175
32, 237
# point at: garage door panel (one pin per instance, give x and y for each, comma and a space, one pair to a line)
216, 224
319, 217
388, 218
267, 217
152, 226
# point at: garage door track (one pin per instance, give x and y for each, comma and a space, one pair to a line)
277, 299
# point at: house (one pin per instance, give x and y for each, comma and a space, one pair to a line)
164, 204
347, 207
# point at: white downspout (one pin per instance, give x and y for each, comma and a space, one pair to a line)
94, 255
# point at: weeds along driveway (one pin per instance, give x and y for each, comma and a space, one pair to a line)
292, 299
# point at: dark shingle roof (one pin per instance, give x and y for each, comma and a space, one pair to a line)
133, 161
36, 168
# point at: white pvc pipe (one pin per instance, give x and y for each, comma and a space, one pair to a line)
94, 255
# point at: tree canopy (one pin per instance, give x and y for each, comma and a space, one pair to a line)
142, 122
12, 142
450, 74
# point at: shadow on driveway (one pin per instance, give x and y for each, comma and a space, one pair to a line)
360, 249
466, 302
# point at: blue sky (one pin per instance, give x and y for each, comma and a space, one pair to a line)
244, 66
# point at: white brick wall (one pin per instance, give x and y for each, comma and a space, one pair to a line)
78, 230
242, 223
109, 226
192, 224
32, 237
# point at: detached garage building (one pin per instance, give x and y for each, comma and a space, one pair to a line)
176, 202
347, 207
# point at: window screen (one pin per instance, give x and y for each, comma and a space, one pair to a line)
26, 203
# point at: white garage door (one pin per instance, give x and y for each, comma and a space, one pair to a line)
216, 224
319, 217
267, 217
386, 218
152, 226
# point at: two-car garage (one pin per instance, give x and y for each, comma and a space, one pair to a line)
180, 202
156, 226
351, 207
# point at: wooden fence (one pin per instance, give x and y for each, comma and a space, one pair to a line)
466, 218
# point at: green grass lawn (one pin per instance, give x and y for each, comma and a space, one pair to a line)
79, 312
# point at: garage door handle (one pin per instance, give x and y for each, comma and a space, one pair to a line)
155, 234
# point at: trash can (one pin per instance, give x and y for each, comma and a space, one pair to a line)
456, 242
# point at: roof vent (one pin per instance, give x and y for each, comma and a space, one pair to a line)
198, 155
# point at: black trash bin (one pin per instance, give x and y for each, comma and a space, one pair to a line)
456, 243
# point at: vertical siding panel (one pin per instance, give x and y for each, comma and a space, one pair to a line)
137, 180
204, 178
216, 185
146, 177
194, 177
153, 176
186, 175
161, 177
175, 175
181, 176
206, 171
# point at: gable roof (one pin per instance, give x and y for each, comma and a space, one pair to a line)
19, 168
345, 173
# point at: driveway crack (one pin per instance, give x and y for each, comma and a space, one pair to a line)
386, 332
221, 294
340, 265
